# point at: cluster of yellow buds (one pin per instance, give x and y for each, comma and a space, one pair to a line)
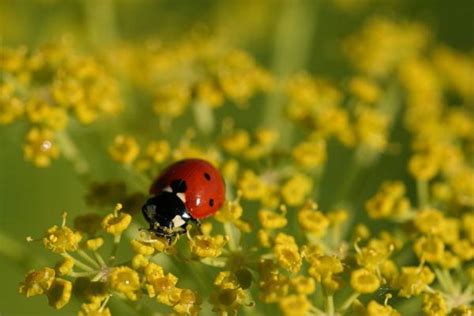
94, 279
270, 244
48, 87
389, 201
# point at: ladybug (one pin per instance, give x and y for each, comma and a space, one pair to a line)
185, 192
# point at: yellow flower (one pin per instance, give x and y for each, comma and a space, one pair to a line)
449, 260
161, 286
125, 281
94, 244
464, 249
235, 143
37, 282
295, 189
301, 89
208, 246
365, 89
65, 267
161, 244
297, 305
303, 285
187, 303
364, 281
389, 201
231, 212
125, 149
59, 293
375, 309
139, 262
413, 280
158, 151
371, 128
430, 249
456, 69
310, 154
423, 166
116, 222
40, 112
361, 232
430, 221
11, 107
389, 270
209, 94
229, 170
312, 221
434, 304
40, 147
271, 220
142, 248
172, 99
323, 267
286, 252
251, 186
226, 280
263, 237
240, 78
266, 136
61, 239
381, 44
273, 285
371, 257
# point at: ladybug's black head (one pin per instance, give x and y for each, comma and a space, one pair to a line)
166, 214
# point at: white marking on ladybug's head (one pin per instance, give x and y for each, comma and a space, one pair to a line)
178, 221
167, 189
181, 196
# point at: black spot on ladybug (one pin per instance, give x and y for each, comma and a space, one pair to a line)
211, 202
179, 186
207, 176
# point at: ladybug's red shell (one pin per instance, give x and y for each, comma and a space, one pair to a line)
201, 183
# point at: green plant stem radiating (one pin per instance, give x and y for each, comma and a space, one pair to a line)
100, 22
293, 37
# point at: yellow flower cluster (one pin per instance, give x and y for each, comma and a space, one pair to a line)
389, 202
48, 87
269, 243
95, 280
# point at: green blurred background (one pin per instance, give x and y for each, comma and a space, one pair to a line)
284, 36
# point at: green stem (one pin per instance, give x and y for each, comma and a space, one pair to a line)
113, 253
100, 22
348, 302
204, 117
88, 258
422, 193
82, 274
329, 305
230, 230
72, 153
78, 263
292, 49
99, 259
